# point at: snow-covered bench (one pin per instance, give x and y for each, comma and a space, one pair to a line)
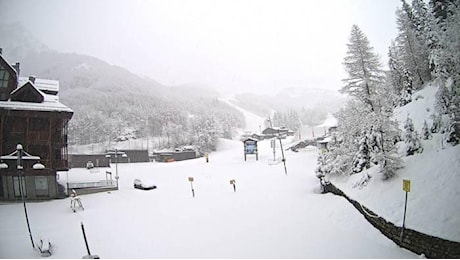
44, 245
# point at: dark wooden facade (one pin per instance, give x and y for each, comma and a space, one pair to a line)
41, 133
39, 122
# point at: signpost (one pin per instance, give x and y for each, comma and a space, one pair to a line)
250, 147
190, 179
406, 188
281, 146
232, 182
89, 255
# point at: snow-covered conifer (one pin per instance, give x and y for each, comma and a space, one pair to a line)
436, 126
443, 97
406, 92
363, 68
362, 157
426, 133
414, 50
411, 138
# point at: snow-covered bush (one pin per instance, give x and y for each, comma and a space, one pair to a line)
389, 164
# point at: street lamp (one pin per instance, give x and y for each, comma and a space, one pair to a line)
115, 154
20, 155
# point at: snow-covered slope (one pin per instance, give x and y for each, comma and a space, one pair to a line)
433, 202
254, 123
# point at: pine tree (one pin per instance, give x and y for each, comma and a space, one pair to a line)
411, 138
412, 42
362, 157
322, 168
446, 57
406, 92
443, 101
366, 134
363, 68
426, 131
436, 126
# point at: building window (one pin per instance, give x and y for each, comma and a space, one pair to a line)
4, 77
41, 185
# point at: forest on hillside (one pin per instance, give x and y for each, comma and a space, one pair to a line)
425, 51
111, 104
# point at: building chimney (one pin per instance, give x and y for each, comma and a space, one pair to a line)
16, 67
32, 79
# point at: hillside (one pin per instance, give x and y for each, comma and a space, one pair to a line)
433, 206
110, 101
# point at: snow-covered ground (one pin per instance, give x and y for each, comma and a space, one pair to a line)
271, 215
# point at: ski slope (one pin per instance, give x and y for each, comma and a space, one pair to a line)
253, 122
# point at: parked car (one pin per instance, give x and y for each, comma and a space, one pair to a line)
139, 185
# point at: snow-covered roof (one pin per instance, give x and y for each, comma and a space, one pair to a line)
41, 84
50, 102
47, 105
325, 140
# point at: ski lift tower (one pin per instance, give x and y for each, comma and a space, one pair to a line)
250, 147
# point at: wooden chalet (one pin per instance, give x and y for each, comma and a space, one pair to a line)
31, 115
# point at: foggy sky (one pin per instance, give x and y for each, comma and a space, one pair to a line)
245, 45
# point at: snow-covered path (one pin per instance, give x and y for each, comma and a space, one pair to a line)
271, 215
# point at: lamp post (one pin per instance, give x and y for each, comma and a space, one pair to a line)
20, 155
115, 154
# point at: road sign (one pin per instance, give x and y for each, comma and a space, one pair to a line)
406, 185
190, 179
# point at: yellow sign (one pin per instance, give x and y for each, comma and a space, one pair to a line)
232, 181
190, 178
406, 185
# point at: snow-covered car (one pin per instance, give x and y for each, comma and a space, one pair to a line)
139, 185
89, 165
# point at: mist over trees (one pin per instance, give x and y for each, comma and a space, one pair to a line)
112, 104
173, 120
425, 51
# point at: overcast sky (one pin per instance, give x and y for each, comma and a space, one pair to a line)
237, 45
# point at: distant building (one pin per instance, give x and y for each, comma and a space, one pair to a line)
270, 132
171, 156
31, 115
102, 160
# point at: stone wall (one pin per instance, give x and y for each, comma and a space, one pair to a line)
419, 243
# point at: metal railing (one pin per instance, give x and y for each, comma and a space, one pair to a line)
96, 184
